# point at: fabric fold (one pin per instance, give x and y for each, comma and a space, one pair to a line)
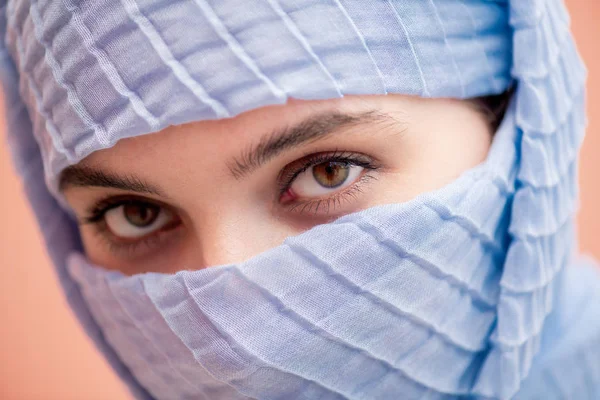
460, 292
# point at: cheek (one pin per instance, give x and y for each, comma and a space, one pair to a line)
233, 233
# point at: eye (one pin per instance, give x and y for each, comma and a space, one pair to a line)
136, 219
325, 178
326, 181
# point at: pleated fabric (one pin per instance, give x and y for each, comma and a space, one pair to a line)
567, 365
397, 300
85, 89
462, 292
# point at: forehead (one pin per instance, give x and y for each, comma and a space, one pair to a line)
227, 136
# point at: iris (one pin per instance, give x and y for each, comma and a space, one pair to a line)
331, 174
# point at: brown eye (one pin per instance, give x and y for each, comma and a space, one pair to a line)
137, 219
331, 174
140, 214
325, 178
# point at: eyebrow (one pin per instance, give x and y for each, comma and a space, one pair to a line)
84, 176
310, 130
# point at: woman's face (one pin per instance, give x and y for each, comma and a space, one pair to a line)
218, 192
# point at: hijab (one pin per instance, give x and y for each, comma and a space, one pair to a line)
461, 292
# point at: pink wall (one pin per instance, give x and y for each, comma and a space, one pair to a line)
43, 353
585, 16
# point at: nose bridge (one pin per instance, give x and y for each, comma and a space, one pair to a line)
233, 235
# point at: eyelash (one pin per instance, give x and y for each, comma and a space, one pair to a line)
335, 200
291, 172
129, 248
100, 208
96, 215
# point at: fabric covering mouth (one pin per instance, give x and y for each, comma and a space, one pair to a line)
74, 85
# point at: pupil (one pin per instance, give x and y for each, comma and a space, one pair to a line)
331, 174
140, 215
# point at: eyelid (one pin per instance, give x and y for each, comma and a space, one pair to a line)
306, 206
125, 247
96, 212
289, 173
136, 249
322, 205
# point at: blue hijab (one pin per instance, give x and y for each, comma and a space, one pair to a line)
465, 291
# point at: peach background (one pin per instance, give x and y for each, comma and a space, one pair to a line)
43, 353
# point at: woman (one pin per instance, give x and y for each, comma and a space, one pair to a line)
344, 200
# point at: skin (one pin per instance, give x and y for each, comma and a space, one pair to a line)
224, 216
